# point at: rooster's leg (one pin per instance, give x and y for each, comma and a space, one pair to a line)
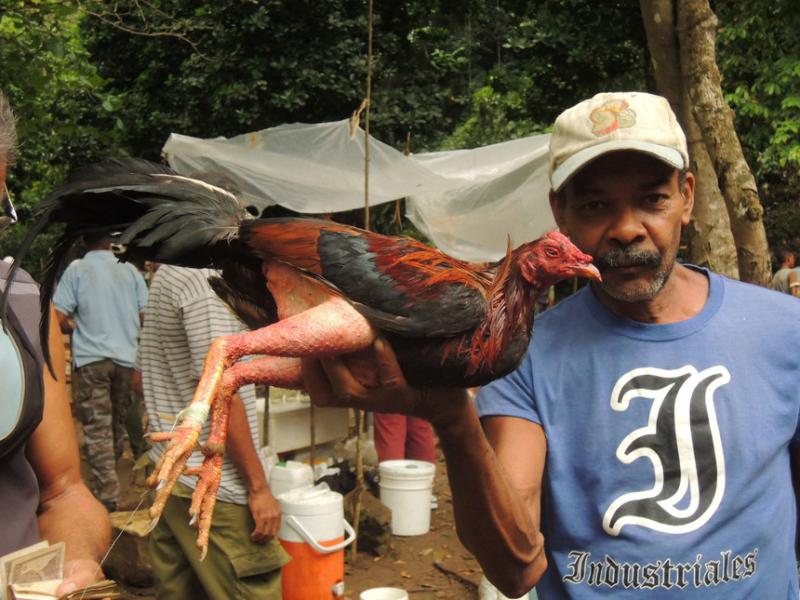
279, 371
331, 328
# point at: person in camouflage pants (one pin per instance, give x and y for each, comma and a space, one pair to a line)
105, 298
103, 396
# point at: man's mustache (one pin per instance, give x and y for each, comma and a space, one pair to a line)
627, 257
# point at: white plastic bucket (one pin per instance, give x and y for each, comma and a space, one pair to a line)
384, 593
406, 487
290, 475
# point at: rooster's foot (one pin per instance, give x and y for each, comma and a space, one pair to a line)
182, 442
205, 496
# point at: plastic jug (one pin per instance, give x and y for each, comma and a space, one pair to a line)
315, 533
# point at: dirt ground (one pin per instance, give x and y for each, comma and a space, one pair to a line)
430, 566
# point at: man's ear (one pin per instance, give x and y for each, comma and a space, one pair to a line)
687, 193
557, 207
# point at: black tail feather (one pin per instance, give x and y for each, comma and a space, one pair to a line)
163, 217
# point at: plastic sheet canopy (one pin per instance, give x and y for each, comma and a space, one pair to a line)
469, 202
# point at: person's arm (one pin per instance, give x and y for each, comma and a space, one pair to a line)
67, 510
65, 299
495, 490
141, 294
264, 507
64, 322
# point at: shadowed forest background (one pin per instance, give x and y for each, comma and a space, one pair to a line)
95, 79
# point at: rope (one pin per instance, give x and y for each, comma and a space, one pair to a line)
119, 535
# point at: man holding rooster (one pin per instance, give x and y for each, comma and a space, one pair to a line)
642, 447
41, 490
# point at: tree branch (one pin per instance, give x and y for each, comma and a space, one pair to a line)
116, 19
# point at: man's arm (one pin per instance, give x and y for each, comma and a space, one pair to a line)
495, 476
495, 490
64, 322
65, 299
67, 510
264, 507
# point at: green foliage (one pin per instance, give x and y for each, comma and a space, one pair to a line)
759, 56
64, 116
243, 66
238, 66
763, 82
533, 59
495, 118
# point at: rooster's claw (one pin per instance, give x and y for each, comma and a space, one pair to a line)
182, 442
204, 498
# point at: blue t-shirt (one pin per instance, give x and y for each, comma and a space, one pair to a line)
105, 297
667, 468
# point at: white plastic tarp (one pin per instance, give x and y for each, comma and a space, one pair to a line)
467, 201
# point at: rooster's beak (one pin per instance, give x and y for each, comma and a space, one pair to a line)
589, 271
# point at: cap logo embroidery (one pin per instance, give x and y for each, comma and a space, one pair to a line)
611, 116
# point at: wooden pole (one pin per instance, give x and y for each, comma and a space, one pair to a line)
312, 449
366, 117
361, 417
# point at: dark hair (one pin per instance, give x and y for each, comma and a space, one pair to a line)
93, 239
782, 255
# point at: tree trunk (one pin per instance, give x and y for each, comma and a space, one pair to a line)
659, 25
709, 234
697, 36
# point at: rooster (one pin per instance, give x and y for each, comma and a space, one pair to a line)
306, 288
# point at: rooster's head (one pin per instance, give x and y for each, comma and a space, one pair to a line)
552, 258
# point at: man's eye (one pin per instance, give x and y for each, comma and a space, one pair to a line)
592, 205
655, 199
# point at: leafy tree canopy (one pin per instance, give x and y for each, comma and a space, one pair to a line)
759, 56
65, 116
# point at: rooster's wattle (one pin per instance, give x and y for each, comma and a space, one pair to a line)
307, 288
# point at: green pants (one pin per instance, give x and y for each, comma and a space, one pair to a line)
235, 567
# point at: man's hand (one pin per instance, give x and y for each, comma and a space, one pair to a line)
79, 573
266, 511
330, 382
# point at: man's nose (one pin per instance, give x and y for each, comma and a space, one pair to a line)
627, 227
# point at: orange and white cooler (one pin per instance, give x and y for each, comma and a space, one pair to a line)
315, 533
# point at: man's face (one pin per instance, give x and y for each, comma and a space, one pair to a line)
626, 209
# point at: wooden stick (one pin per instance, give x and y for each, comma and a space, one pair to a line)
359, 458
312, 450
457, 576
359, 485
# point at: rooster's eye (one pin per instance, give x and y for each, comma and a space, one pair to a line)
551, 252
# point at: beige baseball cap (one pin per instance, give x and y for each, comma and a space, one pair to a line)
615, 121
